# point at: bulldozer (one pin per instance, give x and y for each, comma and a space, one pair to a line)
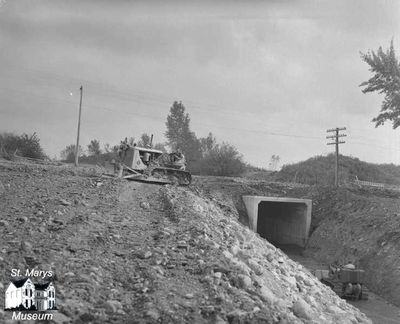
347, 282
146, 164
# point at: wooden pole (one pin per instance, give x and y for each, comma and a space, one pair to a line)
336, 143
79, 128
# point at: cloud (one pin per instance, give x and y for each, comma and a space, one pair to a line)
285, 66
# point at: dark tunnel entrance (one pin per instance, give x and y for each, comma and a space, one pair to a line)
282, 223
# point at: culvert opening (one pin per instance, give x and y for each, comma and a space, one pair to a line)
284, 222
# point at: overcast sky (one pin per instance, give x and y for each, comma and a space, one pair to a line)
269, 77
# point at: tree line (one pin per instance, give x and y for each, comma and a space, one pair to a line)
95, 153
204, 155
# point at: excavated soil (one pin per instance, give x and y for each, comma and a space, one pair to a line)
363, 227
350, 224
127, 252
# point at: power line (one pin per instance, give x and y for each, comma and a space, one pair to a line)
162, 118
141, 98
369, 144
152, 117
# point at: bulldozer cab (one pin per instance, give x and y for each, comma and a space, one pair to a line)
139, 158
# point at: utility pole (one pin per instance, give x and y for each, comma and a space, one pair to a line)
336, 143
79, 127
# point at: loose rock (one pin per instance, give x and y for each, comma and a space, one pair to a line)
64, 202
267, 295
302, 309
112, 306
244, 281
144, 205
153, 314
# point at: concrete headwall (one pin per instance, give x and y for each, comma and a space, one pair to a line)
279, 220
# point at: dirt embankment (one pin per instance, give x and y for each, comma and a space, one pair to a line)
361, 226
348, 224
129, 252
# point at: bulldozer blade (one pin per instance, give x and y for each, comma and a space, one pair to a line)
132, 176
149, 180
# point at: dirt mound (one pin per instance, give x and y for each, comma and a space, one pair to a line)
361, 226
124, 250
319, 170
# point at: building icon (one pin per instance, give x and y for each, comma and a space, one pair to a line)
23, 294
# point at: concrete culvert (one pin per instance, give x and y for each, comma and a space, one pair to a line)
281, 221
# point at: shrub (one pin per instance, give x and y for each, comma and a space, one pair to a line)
68, 154
23, 145
222, 160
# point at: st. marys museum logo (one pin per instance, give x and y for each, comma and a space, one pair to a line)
30, 299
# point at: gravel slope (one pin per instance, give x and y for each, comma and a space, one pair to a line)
127, 252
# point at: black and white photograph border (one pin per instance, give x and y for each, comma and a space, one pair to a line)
199, 161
